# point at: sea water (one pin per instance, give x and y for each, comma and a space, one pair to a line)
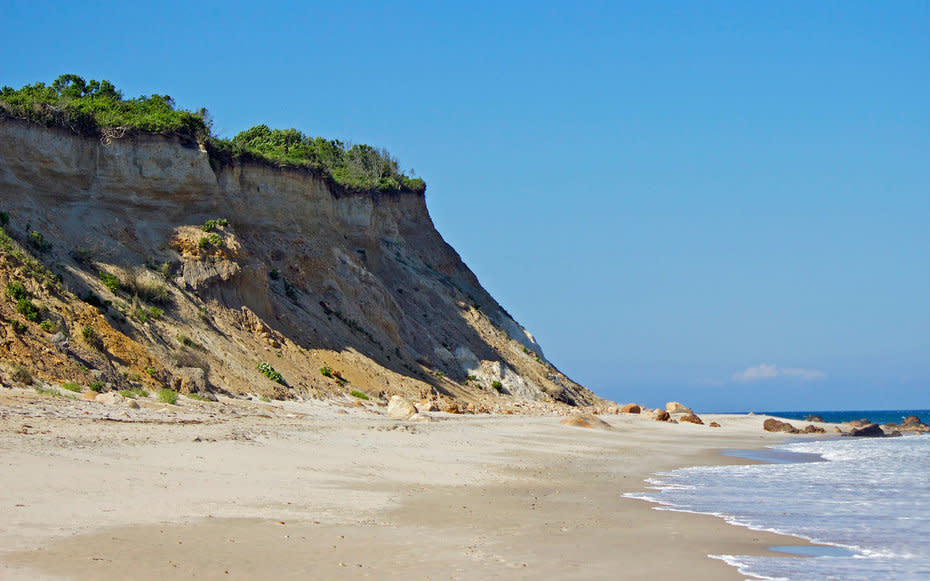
867, 500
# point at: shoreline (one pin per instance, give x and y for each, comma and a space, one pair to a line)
235, 490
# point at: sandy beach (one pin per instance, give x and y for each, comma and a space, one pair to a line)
335, 490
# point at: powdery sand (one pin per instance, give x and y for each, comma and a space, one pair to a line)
237, 490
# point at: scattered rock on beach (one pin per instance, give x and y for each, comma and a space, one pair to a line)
662, 416
773, 425
812, 429
399, 408
110, 398
713, 425
589, 421
631, 408
691, 419
813, 418
673, 407
911, 424
869, 431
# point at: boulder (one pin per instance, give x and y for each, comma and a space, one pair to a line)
859, 423
631, 408
427, 405
691, 419
110, 398
673, 407
662, 416
589, 421
913, 424
869, 431
187, 380
399, 408
714, 425
89, 396
452, 408
812, 429
131, 403
813, 418
773, 425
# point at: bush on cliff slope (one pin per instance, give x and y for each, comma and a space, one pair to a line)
98, 108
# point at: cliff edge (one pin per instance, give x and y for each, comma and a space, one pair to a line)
147, 262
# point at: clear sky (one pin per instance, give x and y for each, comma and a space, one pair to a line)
723, 203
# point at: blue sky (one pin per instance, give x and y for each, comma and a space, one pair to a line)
723, 203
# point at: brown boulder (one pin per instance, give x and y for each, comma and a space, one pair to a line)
663, 416
869, 431
589, 421
812, 429
913, 424
691, 419
773, 425
452, 408
714, 425
631, 408
673, 407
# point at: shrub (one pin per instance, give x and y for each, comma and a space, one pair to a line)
270, 372
48, 326
70, 386
146, 289
110, 281
168, 396
215, 239
127, 393
37, 241
498, 386
203, 243
326, 371
21, 375
265, 399
359, 394
197, 396
96, 386
4, 218
27, 309
19, 327
48, 391
209, 226
17, 291
93, 300
91, 338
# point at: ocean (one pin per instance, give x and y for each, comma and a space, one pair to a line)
867, 501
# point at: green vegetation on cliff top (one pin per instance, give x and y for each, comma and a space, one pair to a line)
98, 108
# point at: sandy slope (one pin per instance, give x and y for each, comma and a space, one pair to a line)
245, 490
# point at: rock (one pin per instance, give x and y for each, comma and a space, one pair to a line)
89, 396
812, 429
133, 404
813, 418
673, 407
589, 421
837, 430
452, 408
399, 408
859, 423
427, 405
189, 380
713, 425
773, 425
691, 419
869, 431
913, 424
631, 408
110, 398
662, 416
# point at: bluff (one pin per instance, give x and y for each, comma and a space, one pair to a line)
150, 262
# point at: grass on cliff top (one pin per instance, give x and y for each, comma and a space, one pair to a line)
98, 108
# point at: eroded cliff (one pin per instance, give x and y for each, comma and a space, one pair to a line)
295, 274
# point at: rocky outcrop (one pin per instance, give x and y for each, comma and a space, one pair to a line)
868, 431
296, 275
911, 424
812, 429
630, 408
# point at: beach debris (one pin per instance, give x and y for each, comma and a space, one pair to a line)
631, 408
691, 419
673, 407
773, 425
589, 421
400, 409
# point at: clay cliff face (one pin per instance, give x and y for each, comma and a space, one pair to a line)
301, 277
